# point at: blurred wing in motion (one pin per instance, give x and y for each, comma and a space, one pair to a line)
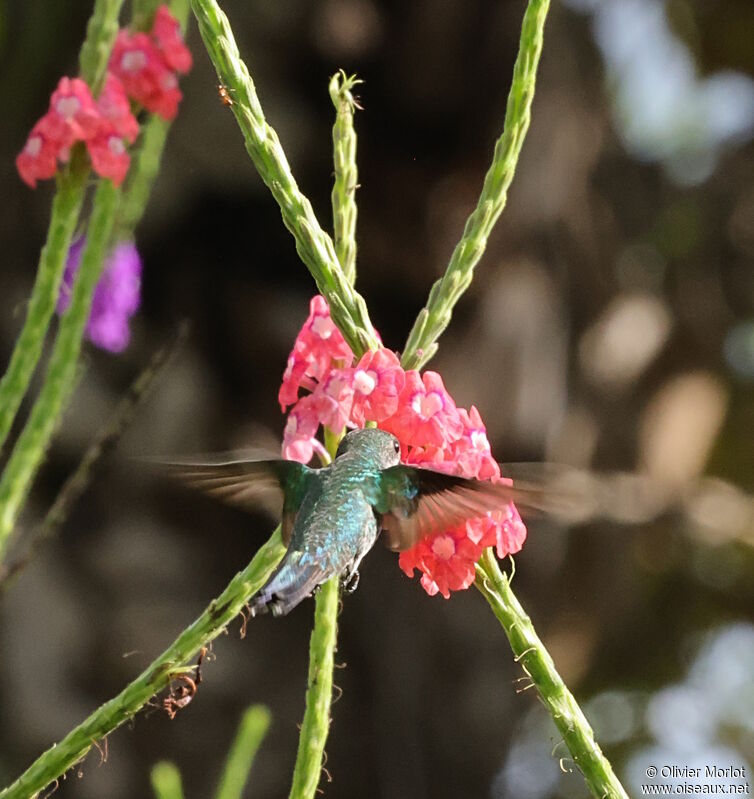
420, 502
251, 482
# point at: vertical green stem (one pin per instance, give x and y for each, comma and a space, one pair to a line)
435, 316
100, 35
314, 246
346, 172
154, 134
31, 445
538, 665
251, 732
53, 763
66, 207
166, 781
316, 724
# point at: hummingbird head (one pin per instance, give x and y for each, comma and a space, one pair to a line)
379, 446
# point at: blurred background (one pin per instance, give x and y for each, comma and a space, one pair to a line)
610, 326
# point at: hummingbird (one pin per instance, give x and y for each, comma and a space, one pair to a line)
333, 515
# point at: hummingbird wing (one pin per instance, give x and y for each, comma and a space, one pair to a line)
419, 502
250, 482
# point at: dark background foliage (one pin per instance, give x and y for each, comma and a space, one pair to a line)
610, 326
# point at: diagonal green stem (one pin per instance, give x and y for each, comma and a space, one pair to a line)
538, 665
251, 732
66, 207
32, 443
435, 316
316, 723
314, 246
59, 758
346, 172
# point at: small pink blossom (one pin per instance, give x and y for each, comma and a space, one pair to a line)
377, 382
167, 33
73, 114
426, 415
472, 450
138, 63
446, 560
110, 159
115, 108
333, 399
319, 347
39, 158
299, 437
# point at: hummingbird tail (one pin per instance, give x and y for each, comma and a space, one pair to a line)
288, 586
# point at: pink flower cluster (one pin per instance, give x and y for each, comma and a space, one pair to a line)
434, 433
142, 67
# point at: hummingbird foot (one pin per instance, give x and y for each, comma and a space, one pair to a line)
351, 581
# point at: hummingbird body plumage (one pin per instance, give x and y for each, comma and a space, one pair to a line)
331, 517
335, 525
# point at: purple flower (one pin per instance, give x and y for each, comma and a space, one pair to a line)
116, 296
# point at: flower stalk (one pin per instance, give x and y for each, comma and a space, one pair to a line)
314, 246
251, 732
33, 441
344, 208
445, 293
538, 665
66, 207
316, 724
171, 663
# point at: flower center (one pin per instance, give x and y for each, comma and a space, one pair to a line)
291, 426
169, 81
427, 405
68, 107
321, 327
115, 145
364, 382
34, 146
443, 546
479, 439
133, 61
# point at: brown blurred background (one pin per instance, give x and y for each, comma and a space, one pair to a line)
610, 327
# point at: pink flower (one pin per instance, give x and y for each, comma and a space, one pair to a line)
502, 529
39, 158
115, 108
167, 33
318, 348
426, 413
472, 450
377, 382
299, 437
446, 561
109, 156
73, 115
139, 65
333, 399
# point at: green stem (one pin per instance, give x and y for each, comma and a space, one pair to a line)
171, 663
251, 732
316, 723
346, 173
100, 35
32, 443
154, 134
66, 207
538, 665
435, 316
166, 781
106, 440
314, 246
